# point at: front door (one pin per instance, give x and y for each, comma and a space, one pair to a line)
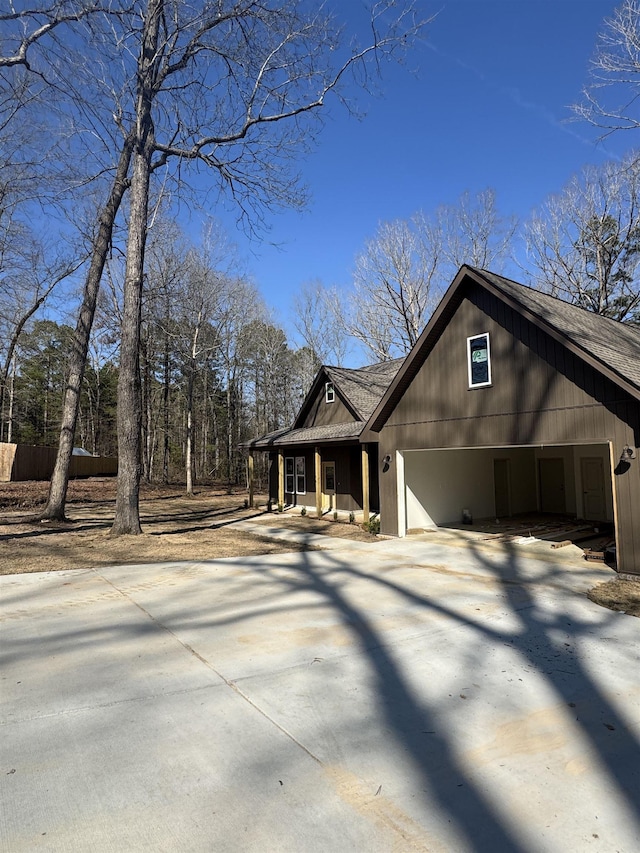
552, 494
593, 500
328, 486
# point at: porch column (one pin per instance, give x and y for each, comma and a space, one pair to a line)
365, 483
280, 479
318, 467
250, 474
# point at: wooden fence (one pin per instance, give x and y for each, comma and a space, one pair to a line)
30, 462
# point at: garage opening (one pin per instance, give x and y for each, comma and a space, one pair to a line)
450, 487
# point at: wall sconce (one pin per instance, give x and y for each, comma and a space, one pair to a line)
627, 453
386, 462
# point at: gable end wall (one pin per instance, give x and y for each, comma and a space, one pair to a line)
540, 394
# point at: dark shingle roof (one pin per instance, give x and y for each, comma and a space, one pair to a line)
364, 386
615, 345
308, 435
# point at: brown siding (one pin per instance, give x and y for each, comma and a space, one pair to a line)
320, 412
348, 475
540, 394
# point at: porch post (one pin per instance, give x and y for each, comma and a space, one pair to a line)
280, 478
318, 467
250, 471
365, 483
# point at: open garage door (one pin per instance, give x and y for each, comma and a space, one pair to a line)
443, 486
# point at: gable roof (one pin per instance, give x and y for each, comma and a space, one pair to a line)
613, 348
363, 387
359, 388
614, 345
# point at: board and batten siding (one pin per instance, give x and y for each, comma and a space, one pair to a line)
541, 394
321, 413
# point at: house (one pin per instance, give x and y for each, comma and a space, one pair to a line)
320, 462
512, 401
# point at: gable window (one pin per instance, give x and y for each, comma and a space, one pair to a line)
289, 479
479, 361
329, 392
301, 480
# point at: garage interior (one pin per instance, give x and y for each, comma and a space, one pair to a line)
562, 493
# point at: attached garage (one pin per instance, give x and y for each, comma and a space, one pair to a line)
440, 486
511, 402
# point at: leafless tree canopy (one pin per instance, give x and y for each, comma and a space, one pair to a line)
584, 243
610, 100
317, 317
403, 271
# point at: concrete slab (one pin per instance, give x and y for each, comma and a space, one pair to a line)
396, 696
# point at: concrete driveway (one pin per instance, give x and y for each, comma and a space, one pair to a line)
406, 695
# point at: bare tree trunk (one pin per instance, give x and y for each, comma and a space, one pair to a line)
129, 418
11, 398
216, 440
192, 371
147, 408
229, 436
127, 512
188, 450
60, 478
165, 407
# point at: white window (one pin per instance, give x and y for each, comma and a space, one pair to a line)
479, 361
301, 479
329, 392
289, 480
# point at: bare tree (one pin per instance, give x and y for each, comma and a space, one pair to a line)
23, 292
46, 49
165, 275
396, 285
610, 98
317, 317
584, 244
198, 308
404, 270
32, 265
230, 90
475, 232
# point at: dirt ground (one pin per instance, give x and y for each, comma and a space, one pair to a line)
175, 527
618, 594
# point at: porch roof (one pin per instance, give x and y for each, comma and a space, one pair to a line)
327, 433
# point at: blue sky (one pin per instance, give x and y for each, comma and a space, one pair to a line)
482, 102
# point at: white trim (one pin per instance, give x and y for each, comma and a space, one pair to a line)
401, 493
469, 377
329, 392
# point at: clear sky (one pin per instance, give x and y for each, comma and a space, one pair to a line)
482, 102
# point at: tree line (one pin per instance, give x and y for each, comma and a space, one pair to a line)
214, 367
